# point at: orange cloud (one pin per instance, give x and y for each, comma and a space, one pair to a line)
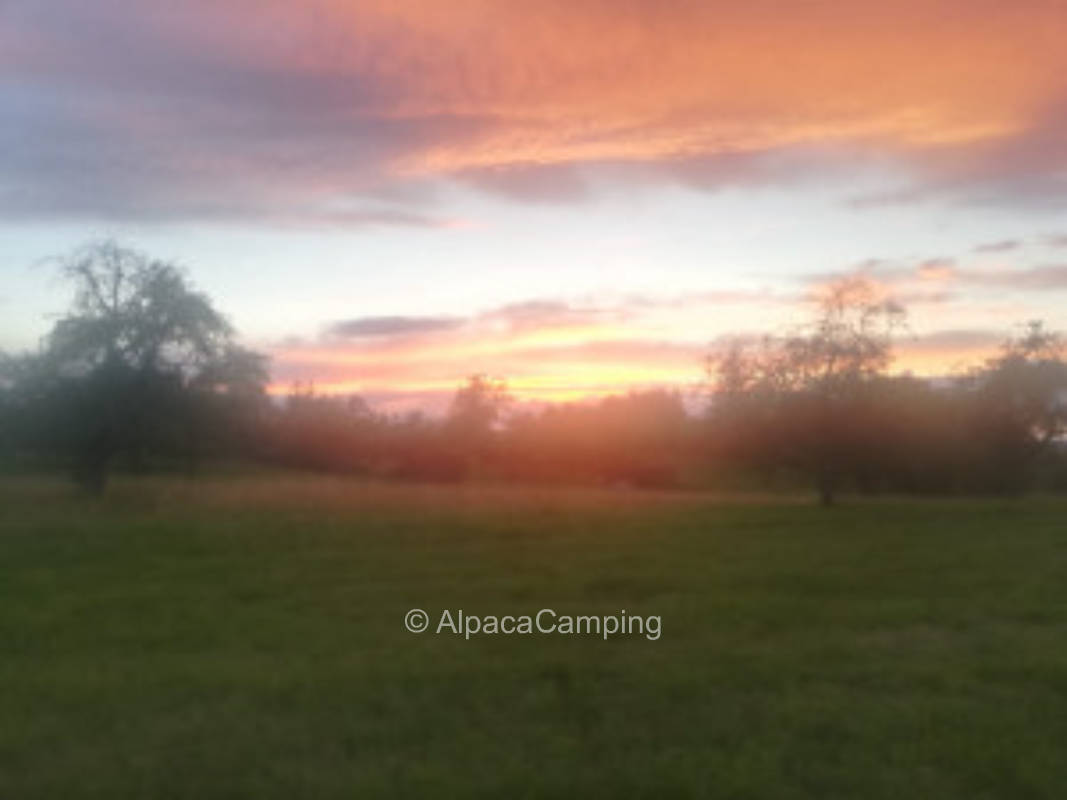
592, 81
551, 351
270, 108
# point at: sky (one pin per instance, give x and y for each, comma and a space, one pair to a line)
580, 197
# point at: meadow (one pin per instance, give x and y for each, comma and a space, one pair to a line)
244, 637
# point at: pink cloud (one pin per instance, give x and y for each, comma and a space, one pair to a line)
251, 110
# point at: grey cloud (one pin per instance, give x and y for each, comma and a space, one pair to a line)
557, 183
1003, 246
391, 326
1026, 170
536, 314
1052, 277
518, 317
112, 114
1048, 277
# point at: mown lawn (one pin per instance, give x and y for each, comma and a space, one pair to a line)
244, 638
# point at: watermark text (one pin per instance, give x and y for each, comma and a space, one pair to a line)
545, 622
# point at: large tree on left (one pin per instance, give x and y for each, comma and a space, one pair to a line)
141, 364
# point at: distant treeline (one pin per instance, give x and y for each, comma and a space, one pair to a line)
144, 374
986, 432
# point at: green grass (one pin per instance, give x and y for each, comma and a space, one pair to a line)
244, 638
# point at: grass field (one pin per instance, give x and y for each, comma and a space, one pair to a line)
244, 638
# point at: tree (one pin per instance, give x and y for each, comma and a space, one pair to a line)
473, 416
803, 396
478, 405
139, 359
1020, 402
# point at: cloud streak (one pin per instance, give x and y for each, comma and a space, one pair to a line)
931, 279
547, 348
1052, 277
553, 350
1003, 246
233, 109
390, 326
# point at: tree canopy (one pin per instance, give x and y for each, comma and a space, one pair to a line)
139, 363
805, 392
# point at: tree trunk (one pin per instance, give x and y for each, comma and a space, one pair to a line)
94, 462
826, 489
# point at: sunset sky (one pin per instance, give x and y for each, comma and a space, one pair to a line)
580, 197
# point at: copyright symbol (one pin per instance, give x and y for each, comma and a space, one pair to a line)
416, 620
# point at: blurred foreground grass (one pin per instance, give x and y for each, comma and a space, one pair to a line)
243, 637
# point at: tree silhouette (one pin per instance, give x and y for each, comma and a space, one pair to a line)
804, 395
476, 409
138, 357
478, 406
1021, 404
